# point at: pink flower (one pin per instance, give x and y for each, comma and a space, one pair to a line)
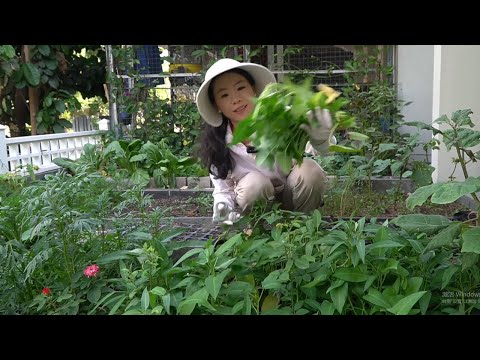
46, 291
91, 270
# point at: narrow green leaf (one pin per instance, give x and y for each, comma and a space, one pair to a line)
145, 300
188, 254
447, 275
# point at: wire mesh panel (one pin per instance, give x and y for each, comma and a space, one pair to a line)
316, 57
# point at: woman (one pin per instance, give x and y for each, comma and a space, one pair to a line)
225, 99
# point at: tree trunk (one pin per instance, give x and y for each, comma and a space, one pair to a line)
21, 113
32, 97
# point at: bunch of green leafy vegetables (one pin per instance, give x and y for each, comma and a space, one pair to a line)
274, 127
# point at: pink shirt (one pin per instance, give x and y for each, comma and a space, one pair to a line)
245, 163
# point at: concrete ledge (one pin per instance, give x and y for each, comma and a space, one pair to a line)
164, 193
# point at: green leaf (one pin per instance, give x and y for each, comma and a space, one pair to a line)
117, 255
94, 294
447, 275
59, 106
158, 290
468, 260
187, 306
166, 302
420, 195
44, 49
188, 254
213, 283
419, 223
350, 274
424, 302
145, 300
403, 306
471, 241
269, 303
327, 308
339, 296
445, 237
376, 298
227, 245
451, 191
343, 149
31, 74
53, 82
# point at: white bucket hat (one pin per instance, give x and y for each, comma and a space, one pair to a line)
207, 110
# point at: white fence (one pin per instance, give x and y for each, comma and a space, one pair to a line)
16, 153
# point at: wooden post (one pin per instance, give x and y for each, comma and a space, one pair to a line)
32, 97
3, 151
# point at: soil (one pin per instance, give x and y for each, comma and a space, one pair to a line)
380, 206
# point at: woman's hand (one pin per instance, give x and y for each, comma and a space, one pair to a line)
224, 213
319, 129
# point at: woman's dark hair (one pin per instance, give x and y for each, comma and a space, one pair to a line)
212, 149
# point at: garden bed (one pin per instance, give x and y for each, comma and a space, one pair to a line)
199, 204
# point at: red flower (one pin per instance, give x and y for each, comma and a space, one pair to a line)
91, 270
46, 291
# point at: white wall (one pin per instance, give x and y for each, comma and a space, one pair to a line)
414, 83
456, 86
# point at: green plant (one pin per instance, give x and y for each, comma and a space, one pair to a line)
283, 139
461, 137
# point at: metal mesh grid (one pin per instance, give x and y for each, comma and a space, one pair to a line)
317, 57
195, 229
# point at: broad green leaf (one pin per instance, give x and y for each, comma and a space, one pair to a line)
44, 49
419, 223
339, 296
451, 191
94, 294
31, 73
421, 195
187, 306
227, 245
350, 274
213, 283
269, 303
327, 308
413, 285
158, 290
376, 298
444, 237
468, 260
403, 306
471, 240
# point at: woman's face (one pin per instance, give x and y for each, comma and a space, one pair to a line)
233, 96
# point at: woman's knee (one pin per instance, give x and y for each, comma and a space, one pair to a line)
309, 174
252, 187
